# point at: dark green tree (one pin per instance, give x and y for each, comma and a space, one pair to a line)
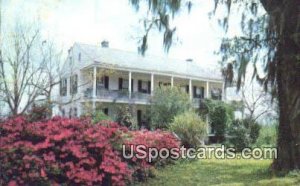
220, 116
125, 117
166, 103
270, 38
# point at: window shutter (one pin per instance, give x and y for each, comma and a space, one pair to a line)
76, 83
187, 89
132, 85
106, 82
140, 85
105, 111
120, 83
202, 92
71, 85
60, 87
194, 92
149, 87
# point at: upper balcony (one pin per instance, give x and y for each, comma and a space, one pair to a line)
118, 96
122, 86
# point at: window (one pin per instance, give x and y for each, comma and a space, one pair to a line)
123, 84
216, 94
183, 88
63, 87
63, 113
75, 112
74, 84
70, 113
105, 111
144, 86
102, 82
198, 92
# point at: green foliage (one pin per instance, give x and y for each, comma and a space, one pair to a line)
161, 11
243, 133
239, 135
168, 102
125, 118
267, 136
253, 127
220, 115
190, 128
99, 116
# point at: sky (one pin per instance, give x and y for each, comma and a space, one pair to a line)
91, 21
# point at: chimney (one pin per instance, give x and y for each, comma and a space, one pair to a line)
189, 60
104, 44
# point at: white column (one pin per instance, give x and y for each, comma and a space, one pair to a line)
207, 90
190, 89
130, 85
224, 92
172, 81
152, 83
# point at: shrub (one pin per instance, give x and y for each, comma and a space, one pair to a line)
125, 118
253, 127
99, 116
239, 135
158, 139
61, 151
190, 128
64, 151
267, 136
220, 116
166, 103
243, 133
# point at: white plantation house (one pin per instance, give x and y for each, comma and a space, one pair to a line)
99, 77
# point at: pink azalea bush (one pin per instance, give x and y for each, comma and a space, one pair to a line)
71, 152
150, 139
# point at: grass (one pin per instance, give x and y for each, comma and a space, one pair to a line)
234, 172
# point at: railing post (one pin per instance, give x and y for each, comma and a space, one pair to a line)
172, 81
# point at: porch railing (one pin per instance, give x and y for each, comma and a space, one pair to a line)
117, 95
123, 95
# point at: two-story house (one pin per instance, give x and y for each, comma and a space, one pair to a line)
99, 77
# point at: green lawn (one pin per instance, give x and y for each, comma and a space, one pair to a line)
220, 172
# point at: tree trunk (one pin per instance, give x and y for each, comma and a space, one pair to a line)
288, 85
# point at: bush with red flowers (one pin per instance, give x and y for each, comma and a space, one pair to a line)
72, 152
149, 139
69, 151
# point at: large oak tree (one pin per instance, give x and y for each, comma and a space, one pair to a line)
270, 38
